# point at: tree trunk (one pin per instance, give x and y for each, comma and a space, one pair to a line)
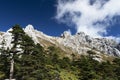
11, 69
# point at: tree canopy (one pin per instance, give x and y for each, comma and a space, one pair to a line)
33, 62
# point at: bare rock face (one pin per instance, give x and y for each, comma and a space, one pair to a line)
80, 42
31, 32
6, 38
66, 34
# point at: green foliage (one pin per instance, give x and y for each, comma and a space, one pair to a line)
68, 75
36, 63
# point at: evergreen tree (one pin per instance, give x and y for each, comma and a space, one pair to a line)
29, 61
17, 33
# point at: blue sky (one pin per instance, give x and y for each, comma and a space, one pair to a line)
41, 14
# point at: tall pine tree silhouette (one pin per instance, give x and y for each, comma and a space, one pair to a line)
17, 33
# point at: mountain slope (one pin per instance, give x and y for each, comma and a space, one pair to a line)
78, 43
23, 58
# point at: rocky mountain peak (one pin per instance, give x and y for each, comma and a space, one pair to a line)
31, 32
80, 42
29, 28
66, 34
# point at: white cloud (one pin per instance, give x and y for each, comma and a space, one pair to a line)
93, 19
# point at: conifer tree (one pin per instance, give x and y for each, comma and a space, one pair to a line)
17, 33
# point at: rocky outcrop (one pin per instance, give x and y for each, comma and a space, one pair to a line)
82, 43
6, 39
79, 42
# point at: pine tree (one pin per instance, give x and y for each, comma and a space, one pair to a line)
30, 59
17, 34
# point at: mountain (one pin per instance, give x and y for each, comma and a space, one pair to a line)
28, 54
79, 43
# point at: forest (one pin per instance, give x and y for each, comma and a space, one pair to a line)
29, 61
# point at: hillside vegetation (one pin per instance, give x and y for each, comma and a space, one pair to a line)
29, 61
